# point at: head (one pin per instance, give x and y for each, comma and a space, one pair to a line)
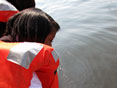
32, 25
22, 4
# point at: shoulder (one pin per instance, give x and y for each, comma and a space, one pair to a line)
46, 47
6, 10
4, 5
51, 51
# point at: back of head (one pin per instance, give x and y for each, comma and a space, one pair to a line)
31, 25
22, 4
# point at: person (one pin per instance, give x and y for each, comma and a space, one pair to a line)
22, 4
10, 7
6, 10
27, 53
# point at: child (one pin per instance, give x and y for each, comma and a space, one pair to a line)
6, 10
28, 29
10, 7
22, 4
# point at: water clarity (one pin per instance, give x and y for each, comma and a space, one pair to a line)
86, 42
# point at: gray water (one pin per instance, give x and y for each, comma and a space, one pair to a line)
86, 43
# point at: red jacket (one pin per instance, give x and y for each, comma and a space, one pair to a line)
6, 10
18, 61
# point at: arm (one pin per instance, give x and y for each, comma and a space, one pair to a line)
48, 71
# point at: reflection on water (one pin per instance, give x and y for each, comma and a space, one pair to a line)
86, 43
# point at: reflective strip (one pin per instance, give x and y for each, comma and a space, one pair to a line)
23, 53
55, 56
6, 10
4, 5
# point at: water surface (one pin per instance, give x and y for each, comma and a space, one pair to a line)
86, 42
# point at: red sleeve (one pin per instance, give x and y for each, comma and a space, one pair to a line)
47, 73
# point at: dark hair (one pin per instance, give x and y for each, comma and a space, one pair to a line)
32, 25
2, 28
22, 4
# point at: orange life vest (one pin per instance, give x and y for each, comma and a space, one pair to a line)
18, 61
6, 10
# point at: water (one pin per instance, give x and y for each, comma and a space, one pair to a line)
86, 43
